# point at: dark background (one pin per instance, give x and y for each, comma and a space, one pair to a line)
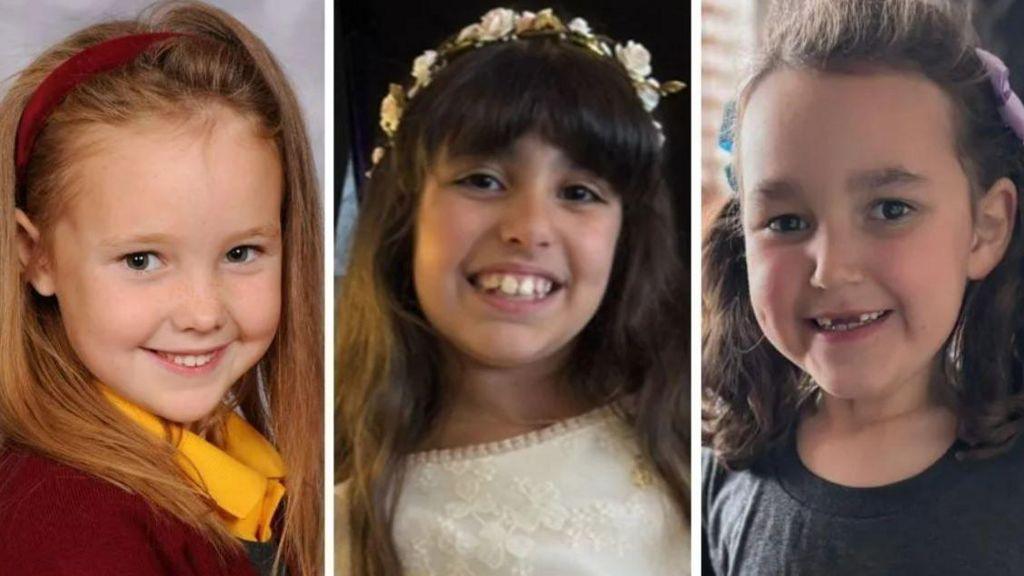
377, 42
1000, 26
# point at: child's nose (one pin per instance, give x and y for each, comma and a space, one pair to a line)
526, 221
200, 308
836, 259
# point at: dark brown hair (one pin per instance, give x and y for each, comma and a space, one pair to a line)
635, 346
751, 393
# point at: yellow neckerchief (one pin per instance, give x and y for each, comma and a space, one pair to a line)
244, 478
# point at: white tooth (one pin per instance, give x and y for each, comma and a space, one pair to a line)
543, 287
824, 322
190, 361
490, 281
526, 287
509, 285
865, 317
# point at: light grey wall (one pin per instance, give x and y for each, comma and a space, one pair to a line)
294, 30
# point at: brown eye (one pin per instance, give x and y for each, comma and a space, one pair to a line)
580, 194
481, 181
141, 261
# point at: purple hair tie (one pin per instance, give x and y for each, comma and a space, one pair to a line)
1010, 106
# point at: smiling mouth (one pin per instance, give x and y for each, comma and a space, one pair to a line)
189, 360
847, 323
515, 286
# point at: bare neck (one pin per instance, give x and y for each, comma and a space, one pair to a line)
877, 441
488, 403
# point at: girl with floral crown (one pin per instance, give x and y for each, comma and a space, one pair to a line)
864, 318
512, 337
160, 249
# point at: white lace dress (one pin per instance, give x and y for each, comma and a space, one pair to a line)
573, 499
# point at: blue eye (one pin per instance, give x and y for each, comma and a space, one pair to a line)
891, 210
241, 254
142, 261
580, 194
788, 223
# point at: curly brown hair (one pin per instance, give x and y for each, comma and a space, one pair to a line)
751, 393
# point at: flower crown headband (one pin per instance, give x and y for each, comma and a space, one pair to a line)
503, 25
1011, 110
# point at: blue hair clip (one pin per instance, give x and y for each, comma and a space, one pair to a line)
726, 140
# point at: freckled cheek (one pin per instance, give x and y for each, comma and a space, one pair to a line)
106, 310
254, 303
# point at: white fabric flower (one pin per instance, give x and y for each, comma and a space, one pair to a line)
545, 17
524, 21
648, 93
421, 67
635, 58
472, 32
497, 24
661, 133
390, 114
377, 156
580, 26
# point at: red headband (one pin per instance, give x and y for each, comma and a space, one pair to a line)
93, 60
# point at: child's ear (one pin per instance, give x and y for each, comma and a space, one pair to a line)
993, 228
33, 259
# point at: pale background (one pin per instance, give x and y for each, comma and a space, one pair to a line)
293, 30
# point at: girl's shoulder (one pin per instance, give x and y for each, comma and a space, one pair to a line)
59, 520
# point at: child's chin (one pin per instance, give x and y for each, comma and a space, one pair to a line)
847, 388
188, 407
511, 356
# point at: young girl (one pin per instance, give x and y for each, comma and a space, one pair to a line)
864, 315
160, 252
511, 333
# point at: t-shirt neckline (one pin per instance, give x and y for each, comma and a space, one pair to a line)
834, 499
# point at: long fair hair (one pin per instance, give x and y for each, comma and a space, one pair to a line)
48, 400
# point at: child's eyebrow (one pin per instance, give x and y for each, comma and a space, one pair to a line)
264, 231
268, 231
888, 177
117, 241
774, 189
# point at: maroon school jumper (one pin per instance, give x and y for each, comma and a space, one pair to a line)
58, 521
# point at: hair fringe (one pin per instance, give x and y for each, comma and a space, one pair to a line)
388, 381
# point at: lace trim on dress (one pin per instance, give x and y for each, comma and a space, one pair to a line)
527, 440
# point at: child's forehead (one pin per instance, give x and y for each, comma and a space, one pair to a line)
184, 120
799, 123
171, 164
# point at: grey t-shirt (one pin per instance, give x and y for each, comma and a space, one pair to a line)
957, 517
